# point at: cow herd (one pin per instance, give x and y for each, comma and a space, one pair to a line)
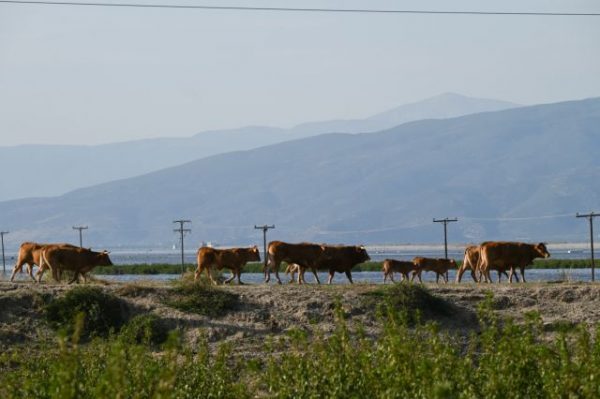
480, 260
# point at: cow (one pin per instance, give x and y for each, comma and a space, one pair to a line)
391, 266
339, 258
291, 270
470, 262
232, 258
303, 254
29, 254
439, 266
75, 259
504, 255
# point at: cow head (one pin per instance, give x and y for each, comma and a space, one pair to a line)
362, 253
254, 254
103, 259
453, 264
542, 250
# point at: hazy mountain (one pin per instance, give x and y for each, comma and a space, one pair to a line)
58, 169
447, 105
501, 173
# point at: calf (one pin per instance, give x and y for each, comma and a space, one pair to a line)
391, 266
232, 258
439, 266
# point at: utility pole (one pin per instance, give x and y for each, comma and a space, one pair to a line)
265, 228
590, 216
445, 221
3, 259
181, 232
80, 228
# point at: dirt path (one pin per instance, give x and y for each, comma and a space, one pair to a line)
273, 310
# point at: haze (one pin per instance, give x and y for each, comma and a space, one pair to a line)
88, 75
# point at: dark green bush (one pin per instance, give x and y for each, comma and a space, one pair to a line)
145, 329
202, 298
102, 312
412, 300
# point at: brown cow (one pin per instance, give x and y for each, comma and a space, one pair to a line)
439, 266
233, 259
291, 270
29, 254
509, 255
339, 258
303, 254
75, 259
470, 262
391, 266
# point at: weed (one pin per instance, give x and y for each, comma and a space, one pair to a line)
102, 312
145, 329
202, 298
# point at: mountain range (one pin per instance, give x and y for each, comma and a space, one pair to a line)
58, 169
519, 173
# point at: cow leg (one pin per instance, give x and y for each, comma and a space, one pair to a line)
474, 276
523, 274
512, 269
75, 278
230, 279
330, 277
239, 277
385, 276
18, 267
209, 272
316, 276
30, 270
460, 272
293, 275
349, 275
197, 273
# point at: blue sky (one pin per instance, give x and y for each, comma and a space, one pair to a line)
88, 75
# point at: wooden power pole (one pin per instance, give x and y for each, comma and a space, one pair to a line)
445, 221
264, 229
80, 228
590, 216
2, 233
181, 232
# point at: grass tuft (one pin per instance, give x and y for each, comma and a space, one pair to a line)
102, 312
145, 329
202, 298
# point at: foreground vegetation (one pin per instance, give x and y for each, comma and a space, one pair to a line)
258, 267
135, 357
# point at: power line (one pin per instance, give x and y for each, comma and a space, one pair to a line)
307, 10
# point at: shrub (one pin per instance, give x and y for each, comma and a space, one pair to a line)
410, 299
202, 298
145, 329
102, 312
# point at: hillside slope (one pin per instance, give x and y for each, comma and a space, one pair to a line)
58, 169
494, 171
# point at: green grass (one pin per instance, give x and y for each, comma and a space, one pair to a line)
202, 298
411, 300
406, 360
99, 312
